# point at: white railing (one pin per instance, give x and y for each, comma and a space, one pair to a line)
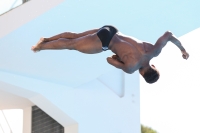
7, 5
4, 125
1, 129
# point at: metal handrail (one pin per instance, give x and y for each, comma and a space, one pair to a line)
6, 121
24, 1
2, 128
11, 7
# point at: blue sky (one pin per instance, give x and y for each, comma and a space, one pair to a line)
145, 20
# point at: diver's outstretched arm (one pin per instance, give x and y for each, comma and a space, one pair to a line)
162, 41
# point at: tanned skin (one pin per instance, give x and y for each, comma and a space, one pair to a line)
131, 54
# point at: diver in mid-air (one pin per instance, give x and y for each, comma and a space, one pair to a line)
131, 54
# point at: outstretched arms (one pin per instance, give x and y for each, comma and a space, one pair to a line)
162, 41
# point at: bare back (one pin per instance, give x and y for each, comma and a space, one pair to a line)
130, 51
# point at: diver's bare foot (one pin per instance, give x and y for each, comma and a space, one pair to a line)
37, 47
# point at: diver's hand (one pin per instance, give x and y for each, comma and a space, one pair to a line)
185, 55
116, 57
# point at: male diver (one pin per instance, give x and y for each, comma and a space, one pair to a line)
131, 54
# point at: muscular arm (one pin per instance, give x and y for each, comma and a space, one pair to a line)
126, 67
162, 41
115, 62
71, 35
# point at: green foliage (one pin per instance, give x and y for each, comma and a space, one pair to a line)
145, 129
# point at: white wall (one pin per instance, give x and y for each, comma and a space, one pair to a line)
27, 113
171, 105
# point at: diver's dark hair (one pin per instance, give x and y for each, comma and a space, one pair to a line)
151, 75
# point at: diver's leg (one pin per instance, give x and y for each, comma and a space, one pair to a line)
89, 44
69, 35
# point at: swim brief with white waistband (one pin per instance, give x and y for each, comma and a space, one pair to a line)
105, 34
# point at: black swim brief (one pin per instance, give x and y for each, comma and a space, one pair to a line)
105, 34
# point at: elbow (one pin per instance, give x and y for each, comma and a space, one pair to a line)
128, 70
168, 34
